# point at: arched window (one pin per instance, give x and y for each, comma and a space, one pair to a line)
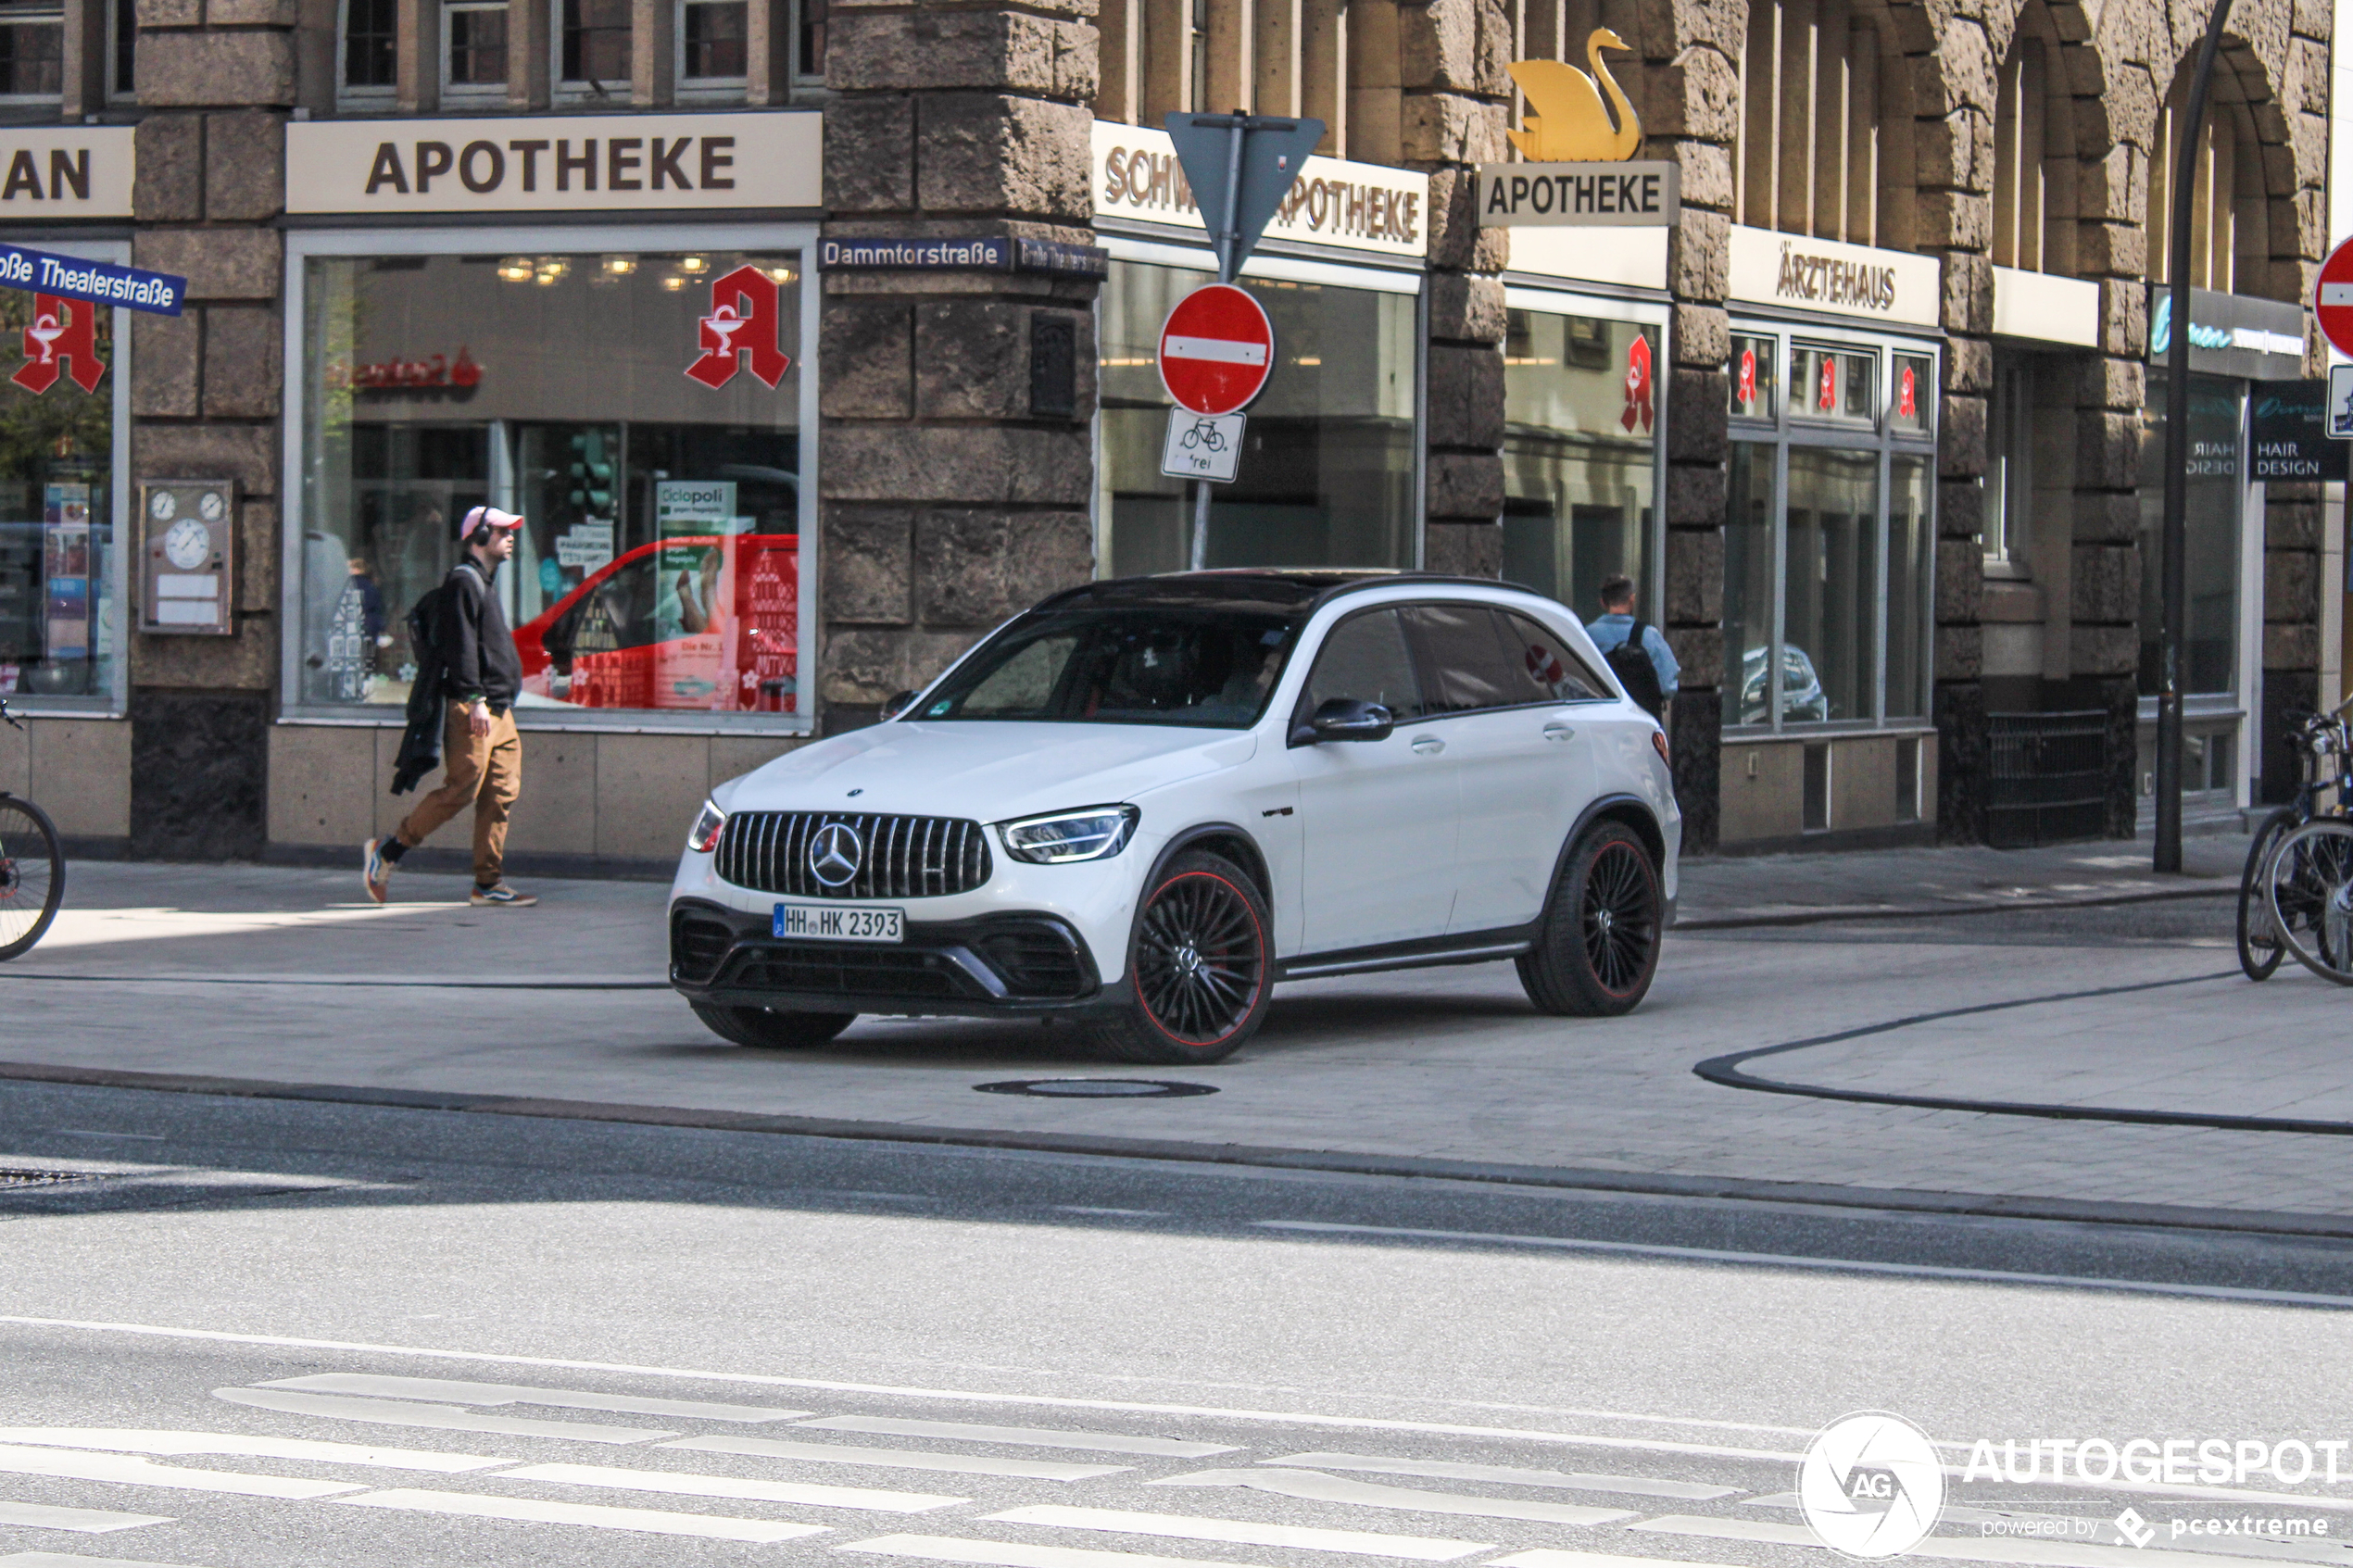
1825, 144
2035, 152
2230, 241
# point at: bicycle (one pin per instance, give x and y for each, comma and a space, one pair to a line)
32, 868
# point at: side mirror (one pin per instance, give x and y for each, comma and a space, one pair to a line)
897, 705
1345, 717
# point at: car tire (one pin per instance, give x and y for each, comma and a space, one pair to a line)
767, 1029
1201, 965
1597, 944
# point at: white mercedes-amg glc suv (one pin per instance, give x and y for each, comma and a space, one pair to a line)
1143, 803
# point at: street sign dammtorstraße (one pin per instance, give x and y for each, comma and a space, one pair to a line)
1216, 350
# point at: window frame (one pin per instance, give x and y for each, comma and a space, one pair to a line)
118, 90
303, 245
31, 19
115, 701
1786, 430
372, 97
579, 90
469, 95
707, 89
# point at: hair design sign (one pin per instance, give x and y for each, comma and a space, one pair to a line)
563, 163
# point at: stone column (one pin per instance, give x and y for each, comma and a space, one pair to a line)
1451, 57
216, 77
1693, 112
950, 498
1953, 87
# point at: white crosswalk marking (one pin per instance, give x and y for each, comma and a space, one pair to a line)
1320, 1487
1190, 1527
531, 1510
1013, 1554
449, 1418
1550, 1557
128, 1440
900, 1458
457, 1391
1032, 1436
73, 1465
67, 1560
1448, 1469
691, 1486
87, 1521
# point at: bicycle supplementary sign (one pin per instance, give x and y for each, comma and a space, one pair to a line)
1202, 445
2338, 410
2332, 299
1216, 350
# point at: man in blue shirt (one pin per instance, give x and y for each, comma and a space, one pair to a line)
1611, 628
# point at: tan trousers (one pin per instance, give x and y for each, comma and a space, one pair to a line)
486, 772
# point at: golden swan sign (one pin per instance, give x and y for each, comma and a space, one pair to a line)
1578, 172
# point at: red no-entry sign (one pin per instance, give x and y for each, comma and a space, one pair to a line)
1216, 350
2332, 299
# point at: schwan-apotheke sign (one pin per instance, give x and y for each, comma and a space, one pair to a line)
557, 163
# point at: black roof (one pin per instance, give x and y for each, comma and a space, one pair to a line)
1275, 587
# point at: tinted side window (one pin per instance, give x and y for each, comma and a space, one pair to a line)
1549, 670
1467, 654
1365, 658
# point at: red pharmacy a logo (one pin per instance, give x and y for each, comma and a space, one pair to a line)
61, 332
741, 332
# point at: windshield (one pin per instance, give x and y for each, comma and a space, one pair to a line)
1144, 665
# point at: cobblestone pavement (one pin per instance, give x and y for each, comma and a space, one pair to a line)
1443, 1065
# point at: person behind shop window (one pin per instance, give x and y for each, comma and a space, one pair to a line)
1613, 628
481, 676
371, 612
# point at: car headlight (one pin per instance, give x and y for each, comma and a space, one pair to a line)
1096, 833
704, 836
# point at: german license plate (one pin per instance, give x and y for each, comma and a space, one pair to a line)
840, 922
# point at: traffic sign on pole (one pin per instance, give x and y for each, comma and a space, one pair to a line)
2339, 412
1216, 350
2332, 299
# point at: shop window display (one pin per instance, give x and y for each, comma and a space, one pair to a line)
2210, 564
1580, 409
640, 410
1327, 473
57, 498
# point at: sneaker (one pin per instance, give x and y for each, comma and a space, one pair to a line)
501, 896
375, 871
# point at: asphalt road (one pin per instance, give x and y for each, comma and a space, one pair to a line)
531, 1341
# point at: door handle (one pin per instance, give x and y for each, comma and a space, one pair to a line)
1557, 731
1429, 745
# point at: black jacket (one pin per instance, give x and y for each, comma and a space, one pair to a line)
477, 651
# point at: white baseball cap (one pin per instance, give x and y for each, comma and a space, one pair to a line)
485, 516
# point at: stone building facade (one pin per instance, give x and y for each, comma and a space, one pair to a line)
1868, 425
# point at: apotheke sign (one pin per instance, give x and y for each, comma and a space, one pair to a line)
559, 163
1798, 273
66, 171
1354, 205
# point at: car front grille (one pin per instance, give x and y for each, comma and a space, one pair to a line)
698, 942
913, 973
898, 857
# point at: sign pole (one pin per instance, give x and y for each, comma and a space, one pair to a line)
2175, 581
1229, 243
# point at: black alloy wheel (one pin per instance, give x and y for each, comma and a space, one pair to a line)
1597, 945
1200, 964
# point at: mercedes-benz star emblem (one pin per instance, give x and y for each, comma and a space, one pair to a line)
835, 853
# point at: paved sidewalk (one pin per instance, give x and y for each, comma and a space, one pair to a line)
291, 977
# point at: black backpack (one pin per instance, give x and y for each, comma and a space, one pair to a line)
1633, 666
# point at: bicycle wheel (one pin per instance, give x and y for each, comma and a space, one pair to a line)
2260, 949
2310, 887
33, 875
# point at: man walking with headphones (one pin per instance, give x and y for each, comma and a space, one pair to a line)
481, 676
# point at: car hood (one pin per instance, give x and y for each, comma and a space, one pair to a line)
986, 772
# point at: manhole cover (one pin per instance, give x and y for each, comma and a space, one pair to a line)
1096, 1088
10, 1180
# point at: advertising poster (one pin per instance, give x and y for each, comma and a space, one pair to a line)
66, 569
693, 583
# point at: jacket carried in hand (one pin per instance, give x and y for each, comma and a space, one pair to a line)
463, 651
